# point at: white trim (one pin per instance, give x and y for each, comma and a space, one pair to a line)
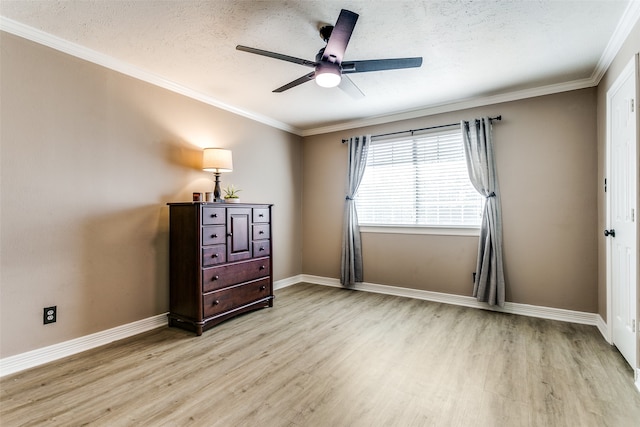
603, 328
437, 231
453, 106
512, 308
627, 21
283, 283
630, 16
33, 358
30, 359
607, 204
629, 71
62, 45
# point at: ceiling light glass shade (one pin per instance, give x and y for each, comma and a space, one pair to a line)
217, 160
328, 75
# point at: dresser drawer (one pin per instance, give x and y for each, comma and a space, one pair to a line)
213, 216
227, 299
214, 255
228, 275
214, 235
261, 248
261, 231
261, 215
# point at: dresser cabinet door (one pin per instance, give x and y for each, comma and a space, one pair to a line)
238, 237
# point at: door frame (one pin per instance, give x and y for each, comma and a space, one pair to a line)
630, 69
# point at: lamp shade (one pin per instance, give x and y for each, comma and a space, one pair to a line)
217, 160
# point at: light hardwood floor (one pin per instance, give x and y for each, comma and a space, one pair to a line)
331, 357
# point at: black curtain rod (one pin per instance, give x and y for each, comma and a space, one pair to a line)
421, 129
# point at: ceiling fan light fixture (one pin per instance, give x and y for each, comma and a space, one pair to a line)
328, 75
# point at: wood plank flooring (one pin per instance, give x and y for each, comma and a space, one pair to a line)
331, 357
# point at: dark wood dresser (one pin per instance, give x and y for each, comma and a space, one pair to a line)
219, 262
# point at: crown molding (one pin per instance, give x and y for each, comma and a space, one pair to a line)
629, 19
453, 106
74, 49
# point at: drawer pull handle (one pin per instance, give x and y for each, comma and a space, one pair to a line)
216, 302
215, 256
230, 234
262, 267
214, 278
214, 215
260, 215
261, 248
261, 232
263, 287
214, 236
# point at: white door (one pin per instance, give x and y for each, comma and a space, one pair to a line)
622, 211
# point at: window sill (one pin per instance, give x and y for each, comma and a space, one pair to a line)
438, 231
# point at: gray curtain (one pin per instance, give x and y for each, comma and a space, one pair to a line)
351, 265
478, 148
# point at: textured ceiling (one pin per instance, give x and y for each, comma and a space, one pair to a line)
471, 49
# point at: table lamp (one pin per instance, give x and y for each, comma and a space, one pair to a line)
217, 160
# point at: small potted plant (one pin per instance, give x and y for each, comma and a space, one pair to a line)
231, 194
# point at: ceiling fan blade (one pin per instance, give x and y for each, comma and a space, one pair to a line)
296, 82
276, 56
380, 65
349, 87
340, 36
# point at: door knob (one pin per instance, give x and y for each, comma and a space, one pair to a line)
611, 233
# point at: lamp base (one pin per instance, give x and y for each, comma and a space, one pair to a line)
216, 189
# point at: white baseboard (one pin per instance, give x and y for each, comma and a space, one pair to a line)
593, 319
279, 284
40, 356
509, 307
30, 359
603, 328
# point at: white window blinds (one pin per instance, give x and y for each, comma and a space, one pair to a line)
418, 181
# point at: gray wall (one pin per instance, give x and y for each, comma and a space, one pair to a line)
89, 159
547, 156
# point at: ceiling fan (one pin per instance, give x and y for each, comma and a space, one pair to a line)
329, 68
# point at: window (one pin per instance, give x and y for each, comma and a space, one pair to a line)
418, 181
